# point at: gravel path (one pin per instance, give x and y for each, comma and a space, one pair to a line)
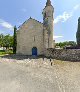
36, 75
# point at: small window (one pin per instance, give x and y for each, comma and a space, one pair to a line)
44, 15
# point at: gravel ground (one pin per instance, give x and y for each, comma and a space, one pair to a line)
36, 75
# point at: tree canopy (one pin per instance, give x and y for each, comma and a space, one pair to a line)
6, 41
78, 33
14, 40
66, 44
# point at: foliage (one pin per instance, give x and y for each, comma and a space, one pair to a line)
78, 33
14, 41
3, 52
6, 41
9, 41
65, 44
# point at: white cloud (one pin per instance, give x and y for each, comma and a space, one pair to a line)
66, 15
6, 24
76, 7
55, 37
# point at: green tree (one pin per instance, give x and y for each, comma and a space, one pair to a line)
66, 43
7, 41
14, 40
78, 33
11, 41
1, 40
72, 43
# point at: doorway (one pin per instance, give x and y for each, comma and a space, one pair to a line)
34, 51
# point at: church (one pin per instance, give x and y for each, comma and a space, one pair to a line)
34, 37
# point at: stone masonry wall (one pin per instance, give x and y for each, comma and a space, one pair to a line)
29, 31
64, 54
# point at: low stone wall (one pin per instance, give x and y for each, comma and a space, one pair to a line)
64, 54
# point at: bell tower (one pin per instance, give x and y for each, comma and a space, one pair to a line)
48, 25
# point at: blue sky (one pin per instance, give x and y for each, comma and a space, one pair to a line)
66, 14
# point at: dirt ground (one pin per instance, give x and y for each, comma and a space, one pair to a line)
36, 75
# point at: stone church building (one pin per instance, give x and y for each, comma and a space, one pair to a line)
34, 37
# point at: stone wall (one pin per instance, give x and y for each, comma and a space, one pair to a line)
30, 35
64, 54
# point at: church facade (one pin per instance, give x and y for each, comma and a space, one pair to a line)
34, 37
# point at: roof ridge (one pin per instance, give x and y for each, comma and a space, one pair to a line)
37, 20
29, 19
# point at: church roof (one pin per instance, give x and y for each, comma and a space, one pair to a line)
28, 20
48, 3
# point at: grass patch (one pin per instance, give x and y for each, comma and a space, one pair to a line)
3, 52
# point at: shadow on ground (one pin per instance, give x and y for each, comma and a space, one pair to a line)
21, 57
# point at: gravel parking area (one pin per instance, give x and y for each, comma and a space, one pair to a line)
36, 75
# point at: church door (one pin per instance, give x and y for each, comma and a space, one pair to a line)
34, 51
